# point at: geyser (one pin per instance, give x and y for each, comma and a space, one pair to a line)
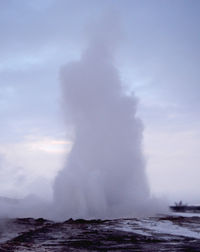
104, 176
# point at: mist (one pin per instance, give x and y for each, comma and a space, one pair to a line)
104, 176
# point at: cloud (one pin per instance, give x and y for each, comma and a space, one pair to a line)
158, 58
173, 162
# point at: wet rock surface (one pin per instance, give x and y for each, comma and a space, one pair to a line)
163, 233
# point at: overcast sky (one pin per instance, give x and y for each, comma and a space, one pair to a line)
158, 56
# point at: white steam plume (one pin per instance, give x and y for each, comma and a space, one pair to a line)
105, 173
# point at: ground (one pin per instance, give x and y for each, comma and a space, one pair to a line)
160, 233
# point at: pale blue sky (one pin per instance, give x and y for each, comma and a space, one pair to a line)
158, 57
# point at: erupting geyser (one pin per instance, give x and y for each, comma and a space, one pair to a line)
105, 173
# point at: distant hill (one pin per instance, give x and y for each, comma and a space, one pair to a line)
9, 200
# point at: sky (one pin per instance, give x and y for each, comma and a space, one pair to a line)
158, 57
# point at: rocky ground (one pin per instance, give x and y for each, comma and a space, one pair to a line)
161, 233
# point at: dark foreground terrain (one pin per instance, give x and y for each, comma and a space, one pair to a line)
162, 233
